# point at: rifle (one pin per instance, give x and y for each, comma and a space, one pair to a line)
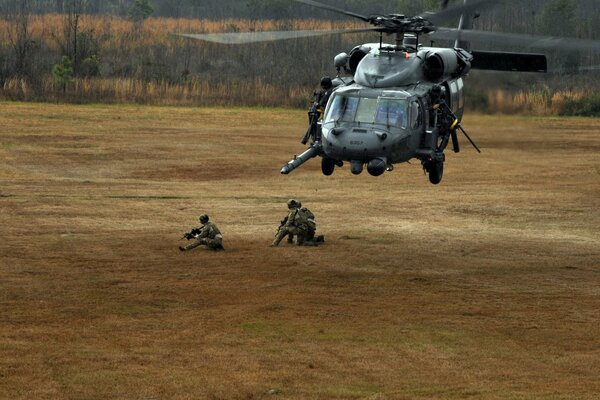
191, 234
314, 113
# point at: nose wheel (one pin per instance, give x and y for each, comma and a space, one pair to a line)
436, 172
327, 166
435, 169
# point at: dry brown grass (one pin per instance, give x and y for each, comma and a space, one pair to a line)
484, 287
117, 35
157, 30
144, 64
534, 101
250, 92
117, 42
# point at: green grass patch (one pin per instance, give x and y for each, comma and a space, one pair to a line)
588, 106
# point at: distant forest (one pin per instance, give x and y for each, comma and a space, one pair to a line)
122, 51
583, 10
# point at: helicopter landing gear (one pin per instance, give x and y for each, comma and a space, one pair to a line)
327, 166
436, 172
435, 168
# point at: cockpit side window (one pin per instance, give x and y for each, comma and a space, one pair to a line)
416, 115
342, 108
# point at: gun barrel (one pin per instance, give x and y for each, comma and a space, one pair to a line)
307, 135
311, 152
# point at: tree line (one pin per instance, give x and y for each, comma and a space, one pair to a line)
83, 50
520, 15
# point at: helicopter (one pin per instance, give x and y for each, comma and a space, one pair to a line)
394, 102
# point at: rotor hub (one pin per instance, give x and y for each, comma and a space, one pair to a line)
398, 23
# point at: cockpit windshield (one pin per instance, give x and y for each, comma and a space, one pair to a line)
368, 110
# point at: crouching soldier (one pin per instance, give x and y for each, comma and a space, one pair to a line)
208, 235
300, 222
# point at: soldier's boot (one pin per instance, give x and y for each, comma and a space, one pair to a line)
320, 239
290, 239
181, 248
306, 241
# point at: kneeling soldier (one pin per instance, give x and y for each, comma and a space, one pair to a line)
208, 234
300, 223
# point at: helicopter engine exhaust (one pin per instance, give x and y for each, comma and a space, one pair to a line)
377, 166
309, 153
446, 63
357, 54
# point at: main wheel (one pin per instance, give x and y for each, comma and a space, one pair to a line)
436, 171
327, 166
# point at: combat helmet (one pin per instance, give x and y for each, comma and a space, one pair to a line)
203, 218
326, 83
293, 203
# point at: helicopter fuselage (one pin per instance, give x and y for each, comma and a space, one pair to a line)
402, 101
385, 116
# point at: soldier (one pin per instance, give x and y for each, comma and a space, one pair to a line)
299, 222
208, 234
325, 93
315, 113
290, 236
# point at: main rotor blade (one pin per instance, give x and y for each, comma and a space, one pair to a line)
514, 39
457, 11
334, 9
255, 37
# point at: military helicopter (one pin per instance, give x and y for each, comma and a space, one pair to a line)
394, 102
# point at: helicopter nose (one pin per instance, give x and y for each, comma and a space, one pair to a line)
377, 166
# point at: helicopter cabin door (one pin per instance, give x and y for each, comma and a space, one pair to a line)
455, 90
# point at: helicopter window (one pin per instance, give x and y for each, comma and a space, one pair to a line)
455, 101
461, 98
415, 115
342, 108
366, 110
391, 112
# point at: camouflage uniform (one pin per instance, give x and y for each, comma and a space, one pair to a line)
300, 223
284, 231
209, 235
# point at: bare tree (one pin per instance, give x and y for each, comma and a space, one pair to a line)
69, 42
19, 36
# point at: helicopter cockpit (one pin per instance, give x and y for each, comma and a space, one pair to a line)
372, 107
370, 126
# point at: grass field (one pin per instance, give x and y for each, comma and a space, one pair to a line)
484, 287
